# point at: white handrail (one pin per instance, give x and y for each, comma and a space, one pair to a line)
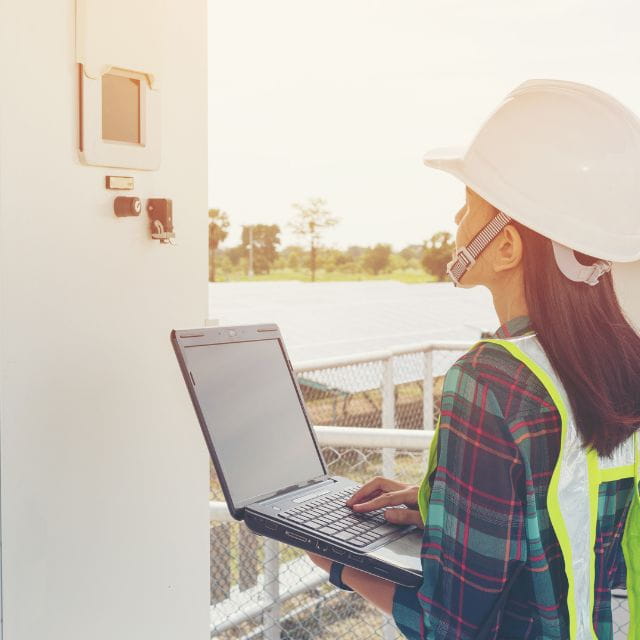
218, 512
413, 439
341, 361
330, 436
434, 345
376, 356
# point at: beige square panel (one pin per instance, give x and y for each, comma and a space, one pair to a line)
119, 55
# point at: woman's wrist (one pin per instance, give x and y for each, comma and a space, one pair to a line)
335, 576
347, 576
378, 591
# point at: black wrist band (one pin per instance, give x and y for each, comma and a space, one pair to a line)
335, 576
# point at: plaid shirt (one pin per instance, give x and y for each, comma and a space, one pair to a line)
497, 447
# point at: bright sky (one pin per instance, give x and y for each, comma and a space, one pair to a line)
340, 98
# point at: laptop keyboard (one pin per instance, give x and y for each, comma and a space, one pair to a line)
327, 514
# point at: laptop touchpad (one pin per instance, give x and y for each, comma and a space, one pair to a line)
403, 552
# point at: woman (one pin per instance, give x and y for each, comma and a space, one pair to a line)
531, 503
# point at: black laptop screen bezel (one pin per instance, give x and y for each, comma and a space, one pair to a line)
184, 339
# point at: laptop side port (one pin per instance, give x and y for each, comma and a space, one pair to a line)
295, 536
338, 551
271, 525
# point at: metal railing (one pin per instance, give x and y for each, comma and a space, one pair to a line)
261, 588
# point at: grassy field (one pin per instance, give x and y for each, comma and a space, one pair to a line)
409, 276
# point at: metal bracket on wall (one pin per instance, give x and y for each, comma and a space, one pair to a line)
160, 212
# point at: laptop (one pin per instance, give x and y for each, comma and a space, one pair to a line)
267, 458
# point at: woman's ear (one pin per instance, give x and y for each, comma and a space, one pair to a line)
508, 253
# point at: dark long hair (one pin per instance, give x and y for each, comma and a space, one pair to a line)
589, 342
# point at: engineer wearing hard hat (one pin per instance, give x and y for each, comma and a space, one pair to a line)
531, 503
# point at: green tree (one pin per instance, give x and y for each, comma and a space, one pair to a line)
235, 254
224, 267
397, 263
354, 251
377, 259
293, 257
218, 225
437, 253
310, 222
331, 260
412, 251
265, 239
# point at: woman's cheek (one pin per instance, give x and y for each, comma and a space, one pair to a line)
461, 236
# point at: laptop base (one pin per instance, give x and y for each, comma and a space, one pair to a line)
277, 530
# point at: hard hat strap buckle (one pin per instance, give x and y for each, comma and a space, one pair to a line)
461, 263
464, 254
574, 270
598, 269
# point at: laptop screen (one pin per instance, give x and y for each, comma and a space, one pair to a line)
253, 416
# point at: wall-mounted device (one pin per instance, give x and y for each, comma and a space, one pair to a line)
160, 212
118, 50
124, 206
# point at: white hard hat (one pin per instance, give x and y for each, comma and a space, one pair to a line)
564, 160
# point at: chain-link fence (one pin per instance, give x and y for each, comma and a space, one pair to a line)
264, 589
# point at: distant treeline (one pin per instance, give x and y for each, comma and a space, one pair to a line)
259, 252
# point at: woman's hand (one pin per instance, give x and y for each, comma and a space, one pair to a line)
375, 494
384, 492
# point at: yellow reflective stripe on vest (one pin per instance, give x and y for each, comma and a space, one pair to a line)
424, 493
617, 473
591, 474
631, 549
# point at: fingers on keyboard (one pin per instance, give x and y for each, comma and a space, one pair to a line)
374, 487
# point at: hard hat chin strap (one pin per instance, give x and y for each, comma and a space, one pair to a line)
574, 270
466, 257
566, 260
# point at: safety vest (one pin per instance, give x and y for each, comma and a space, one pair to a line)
572, 498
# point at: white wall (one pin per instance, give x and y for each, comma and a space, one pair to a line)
104, 474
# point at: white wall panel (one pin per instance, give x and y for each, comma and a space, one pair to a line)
104, 473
